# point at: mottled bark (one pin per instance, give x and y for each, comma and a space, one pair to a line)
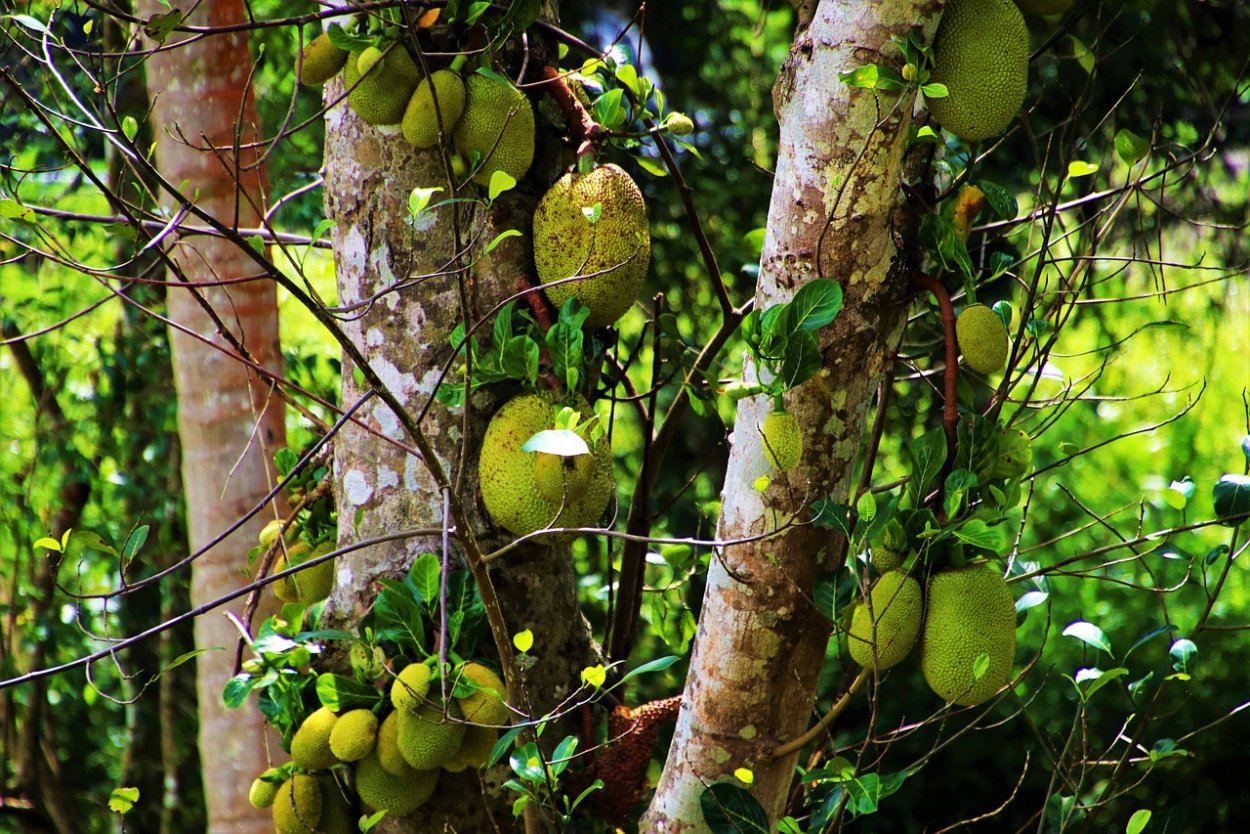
837, 212
404, 334
228, 421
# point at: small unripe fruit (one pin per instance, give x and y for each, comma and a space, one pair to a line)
782, 440
982, 339
679, 124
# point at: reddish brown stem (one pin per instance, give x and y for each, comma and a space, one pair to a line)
542, 315
583, 129
950, 411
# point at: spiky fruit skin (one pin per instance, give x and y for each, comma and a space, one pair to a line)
310, 747
354, 735
427, 738
400, 794
297, 806
497, 123
387, 748
285, 589
262, 793
320, 61
474, 749
1044, 6
509, 488
315, 583
410, 687
486, 705
782, 440
897, 605
420, 122
981, 54
615, 251
982, 339
557, 476
382, 95
336, 811
885, 559
970, 612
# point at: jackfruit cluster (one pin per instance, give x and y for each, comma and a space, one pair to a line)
782, 440
380, 84
486, 705
354, 735
307, 586
507, 473
885, 626
310, 746
1044, 6
396, 793
981, 54
297, 806
420, 124
970, 613
982, 339
498, 125
427, 737
610, 256
320, 60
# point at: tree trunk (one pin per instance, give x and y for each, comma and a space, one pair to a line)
405, 337
837, 212
228, 421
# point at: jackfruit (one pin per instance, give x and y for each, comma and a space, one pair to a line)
315, 583
981, 54
486, 705
320, 61
297, 806
970, 612
354, 735
896, 605
614, 252
474, 751
557, 475
509, 488
410, 687
1044, 6
382, 95
679, 124
420, 122
497, 123
427, 738
982, 339
310, 747
387, 748
262, 793
782, 440
886, 559
336, 811
285, 589
396, 794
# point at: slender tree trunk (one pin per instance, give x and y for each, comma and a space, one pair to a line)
837, 212
228, 421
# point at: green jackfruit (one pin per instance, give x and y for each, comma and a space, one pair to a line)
885, 559
896, 605
614, 252
486, 705
382, 95
387, 748
320, 61
782, 440
310, 747
474, 751
497, 124
1044, 6
982, 339
427, 738
970, 613
263, 793
410, 687
284, 589
354, 735
420, 122
557, 475
336, 811
981, 54
400, 794
297, 806
509, 489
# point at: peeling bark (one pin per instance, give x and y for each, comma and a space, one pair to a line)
229, 423
836, 212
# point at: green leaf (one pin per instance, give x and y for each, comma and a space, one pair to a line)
519, 359
368, 823
134, 542
237, 690
1138, 822
657, 665
562, 442
121, 800
1032, 599
864, 77
159, 26
832, 515
501, 746
1183, 651
426, 575
1082, 53
928, 454
652, 166
939, 238
502, 236
420, 198
1231, 495
729, 809
130, 128
1002, 201
609, 110
13, 210
958, 484
627, 75
754, 241
1088, 633
1079, 168
1131, 148
934, 90
1099, 679
815, 305
339, 693
396, 611
1245, 447
995, 538
500, 181
523, 640
566, 344
980, 666
48, 543
91, 541
527, 762
801, 360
